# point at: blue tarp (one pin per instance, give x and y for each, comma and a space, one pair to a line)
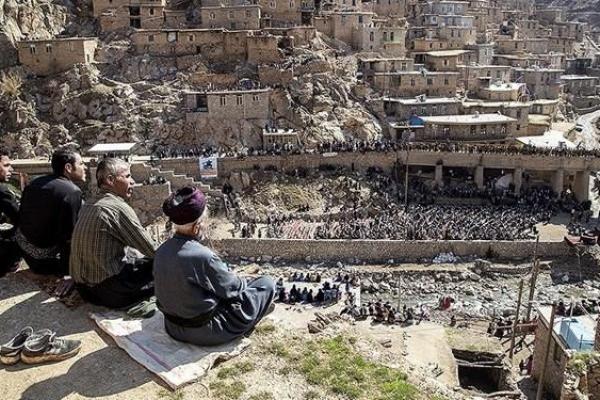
576, 334
415, 121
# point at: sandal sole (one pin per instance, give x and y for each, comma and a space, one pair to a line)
48, 357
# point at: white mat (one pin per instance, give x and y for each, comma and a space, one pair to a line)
147, 342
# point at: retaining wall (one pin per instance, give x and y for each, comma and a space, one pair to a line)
383, 250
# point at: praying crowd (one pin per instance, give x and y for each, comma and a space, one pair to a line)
373, 207
58, 232
161, 151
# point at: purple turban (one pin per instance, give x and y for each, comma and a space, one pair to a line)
185, 206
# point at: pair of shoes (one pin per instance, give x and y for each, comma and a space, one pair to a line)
37, 347
144, 309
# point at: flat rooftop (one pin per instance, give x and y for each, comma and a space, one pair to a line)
504, 87
578, 78
481, 103
549, 140
427, 100
469, 119
447, 53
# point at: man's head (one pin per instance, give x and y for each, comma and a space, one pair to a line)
187, 210
69, 164
114, 175
6, 168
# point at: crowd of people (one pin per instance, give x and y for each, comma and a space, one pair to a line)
373, 207
59, 232
354, 145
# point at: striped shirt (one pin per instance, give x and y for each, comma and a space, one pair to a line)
103, 229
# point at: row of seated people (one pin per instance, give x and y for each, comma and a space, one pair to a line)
56, 232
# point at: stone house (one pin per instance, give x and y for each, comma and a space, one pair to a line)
514, 109
277, 136
287, 13
46, 57
503, 91
139, 14
537, 45
415, 83
422, 106
580, 85
250, 104
508, 45
481, 53
471, 127
474, 76
367, 66
237, 17
445, 60
387, 8
544, 107
569, 337
363, 31
214, 44
427, 38
542, 83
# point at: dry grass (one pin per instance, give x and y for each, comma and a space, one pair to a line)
10, 85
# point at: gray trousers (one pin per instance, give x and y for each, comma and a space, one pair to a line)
231, 321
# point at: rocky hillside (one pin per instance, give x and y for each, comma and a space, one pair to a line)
127, 97
578, 10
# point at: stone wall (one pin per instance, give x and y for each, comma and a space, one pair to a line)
45, 57
147, 201
384, 250
556, 361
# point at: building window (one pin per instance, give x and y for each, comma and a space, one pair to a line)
272, 4
385, 36
32, 49
191, 38
151, 11
391, 36
412, 82
360, 19
446, 62
211, 15
371, 36
292, 4
150, 38
223, 101
429, 81
557, 354
239, 100
48, 48
255, 98
248, 14
230, 15
446, 82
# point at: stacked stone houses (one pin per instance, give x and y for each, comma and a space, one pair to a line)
465, 70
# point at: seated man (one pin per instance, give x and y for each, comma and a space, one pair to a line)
106, 225
10, 254
203, 302
48, 212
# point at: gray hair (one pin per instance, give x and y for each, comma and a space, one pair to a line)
109, 166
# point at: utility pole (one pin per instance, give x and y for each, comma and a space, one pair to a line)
406, 181
514, 329
540, 388
534, 275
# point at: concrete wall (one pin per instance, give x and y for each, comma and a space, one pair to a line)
362, 161
383, 250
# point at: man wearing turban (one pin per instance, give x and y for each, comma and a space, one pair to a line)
203, 302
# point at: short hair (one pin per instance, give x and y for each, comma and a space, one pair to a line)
109, 166
4, 152
62, 157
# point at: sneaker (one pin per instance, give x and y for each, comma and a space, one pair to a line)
10, 353
44, 346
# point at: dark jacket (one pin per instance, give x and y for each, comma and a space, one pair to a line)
48, 212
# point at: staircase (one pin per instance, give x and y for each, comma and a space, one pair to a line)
142, 171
